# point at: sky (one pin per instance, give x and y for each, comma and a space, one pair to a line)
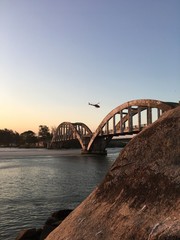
58, 55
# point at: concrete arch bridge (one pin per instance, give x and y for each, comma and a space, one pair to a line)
126, 119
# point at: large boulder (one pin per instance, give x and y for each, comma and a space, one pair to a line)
140, 196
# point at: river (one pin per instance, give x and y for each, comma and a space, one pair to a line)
36, 182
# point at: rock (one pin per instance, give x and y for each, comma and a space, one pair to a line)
29, 234
54, 221
61, 214
140, 196
46, 230
51, 223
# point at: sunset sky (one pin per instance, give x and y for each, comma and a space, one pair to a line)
58, 55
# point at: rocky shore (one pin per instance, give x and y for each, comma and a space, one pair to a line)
41, 233
139, 198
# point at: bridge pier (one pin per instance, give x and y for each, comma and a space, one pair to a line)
98, 147
97, 152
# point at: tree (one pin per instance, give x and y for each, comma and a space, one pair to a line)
44, 135
8, 138
28, 138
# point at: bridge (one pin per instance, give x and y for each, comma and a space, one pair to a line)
126, 119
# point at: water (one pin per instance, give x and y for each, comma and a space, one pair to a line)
36, 182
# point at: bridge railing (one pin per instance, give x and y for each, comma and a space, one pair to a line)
124, 130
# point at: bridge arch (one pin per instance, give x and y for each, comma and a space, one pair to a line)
82, 128
69, 131
127, 111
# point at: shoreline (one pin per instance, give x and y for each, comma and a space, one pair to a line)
50, 224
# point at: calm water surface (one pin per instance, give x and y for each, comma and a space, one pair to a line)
36, 182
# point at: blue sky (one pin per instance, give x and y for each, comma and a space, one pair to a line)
56, 56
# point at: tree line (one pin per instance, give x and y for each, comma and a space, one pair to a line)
10, 138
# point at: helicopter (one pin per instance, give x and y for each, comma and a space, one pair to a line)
95, 105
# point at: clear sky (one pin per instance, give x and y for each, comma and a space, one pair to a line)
58, 55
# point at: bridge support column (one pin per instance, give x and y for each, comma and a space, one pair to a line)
130, 123
97, 152
139, 118
98, 147
149, 115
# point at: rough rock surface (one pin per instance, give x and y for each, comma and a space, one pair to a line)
139, 197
